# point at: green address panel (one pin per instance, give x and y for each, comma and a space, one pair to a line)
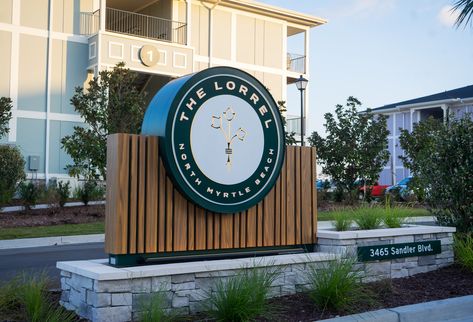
391, 251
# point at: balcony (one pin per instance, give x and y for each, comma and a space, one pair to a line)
296, 63
135, 24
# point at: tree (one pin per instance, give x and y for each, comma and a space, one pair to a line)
289, 136
440, 157
111, 104
466, 11
11, 161
5, 115
355, 146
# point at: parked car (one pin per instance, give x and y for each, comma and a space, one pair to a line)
325, 185
402, 188
377, 190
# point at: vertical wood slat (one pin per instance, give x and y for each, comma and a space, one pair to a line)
290, 202
133, 194
298, 213
314, 195
152, 168
146, 214
306, 194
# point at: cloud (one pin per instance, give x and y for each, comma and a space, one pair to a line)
446, 16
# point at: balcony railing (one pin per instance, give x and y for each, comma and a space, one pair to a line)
89, 23
135, 24
296, 63
293, 124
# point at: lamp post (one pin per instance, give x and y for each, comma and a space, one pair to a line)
301, 84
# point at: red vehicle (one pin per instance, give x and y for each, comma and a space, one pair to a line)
377, 190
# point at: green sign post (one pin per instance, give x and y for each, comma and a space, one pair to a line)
391, 251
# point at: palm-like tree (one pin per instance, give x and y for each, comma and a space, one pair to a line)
466, 13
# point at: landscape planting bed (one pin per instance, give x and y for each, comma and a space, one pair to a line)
447, 282
53, 216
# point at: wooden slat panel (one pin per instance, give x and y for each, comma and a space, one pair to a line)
268, 219
314, 195
236, 230
259, 224
169, 215
190, 226
210, 230
162, 207
251, 223
290, 194
297, 197
180, 222
141, 194
283, 203
277, 212
200, 229
243, 229
151, 241
226, 230
306, 193
133, 202
145, 213
217, 234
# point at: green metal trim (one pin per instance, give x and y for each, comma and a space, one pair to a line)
125, 260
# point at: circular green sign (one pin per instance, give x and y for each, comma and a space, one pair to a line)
222, 138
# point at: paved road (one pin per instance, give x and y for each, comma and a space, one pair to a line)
43, 259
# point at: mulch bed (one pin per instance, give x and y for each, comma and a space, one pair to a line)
452, 281
53, 216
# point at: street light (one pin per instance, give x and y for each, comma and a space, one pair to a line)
301, 84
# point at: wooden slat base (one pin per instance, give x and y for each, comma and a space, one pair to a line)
146, 214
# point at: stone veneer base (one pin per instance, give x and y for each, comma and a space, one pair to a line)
99, 292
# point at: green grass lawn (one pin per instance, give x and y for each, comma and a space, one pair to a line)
408, 212
48, 231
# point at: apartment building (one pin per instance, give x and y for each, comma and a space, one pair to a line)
404, 115
48, 47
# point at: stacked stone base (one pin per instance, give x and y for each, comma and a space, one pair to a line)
347, 243
99, 292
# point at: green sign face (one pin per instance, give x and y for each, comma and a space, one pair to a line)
391, 251
222, 137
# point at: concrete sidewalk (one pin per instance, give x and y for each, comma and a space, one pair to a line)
98, 238
453, 309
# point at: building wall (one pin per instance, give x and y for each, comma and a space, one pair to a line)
43, 59
394, 171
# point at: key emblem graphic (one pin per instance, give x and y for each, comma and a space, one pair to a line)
224, 124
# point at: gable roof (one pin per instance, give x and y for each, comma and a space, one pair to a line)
461, 93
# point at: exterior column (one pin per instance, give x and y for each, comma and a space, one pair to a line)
188, 21
307, 75
103, 9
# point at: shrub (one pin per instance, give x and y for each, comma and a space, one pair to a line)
29, 194
463, 246
439, 154
243, 296
342, 221
153, 309
368, 218
336, 285
90, 190
64, 190
11, 171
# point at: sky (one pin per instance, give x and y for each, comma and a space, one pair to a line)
381, 52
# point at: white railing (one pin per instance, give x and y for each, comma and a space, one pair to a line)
296, 63
134, 24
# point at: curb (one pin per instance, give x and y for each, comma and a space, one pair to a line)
46, 206
99, 238
51, 241
454, 309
